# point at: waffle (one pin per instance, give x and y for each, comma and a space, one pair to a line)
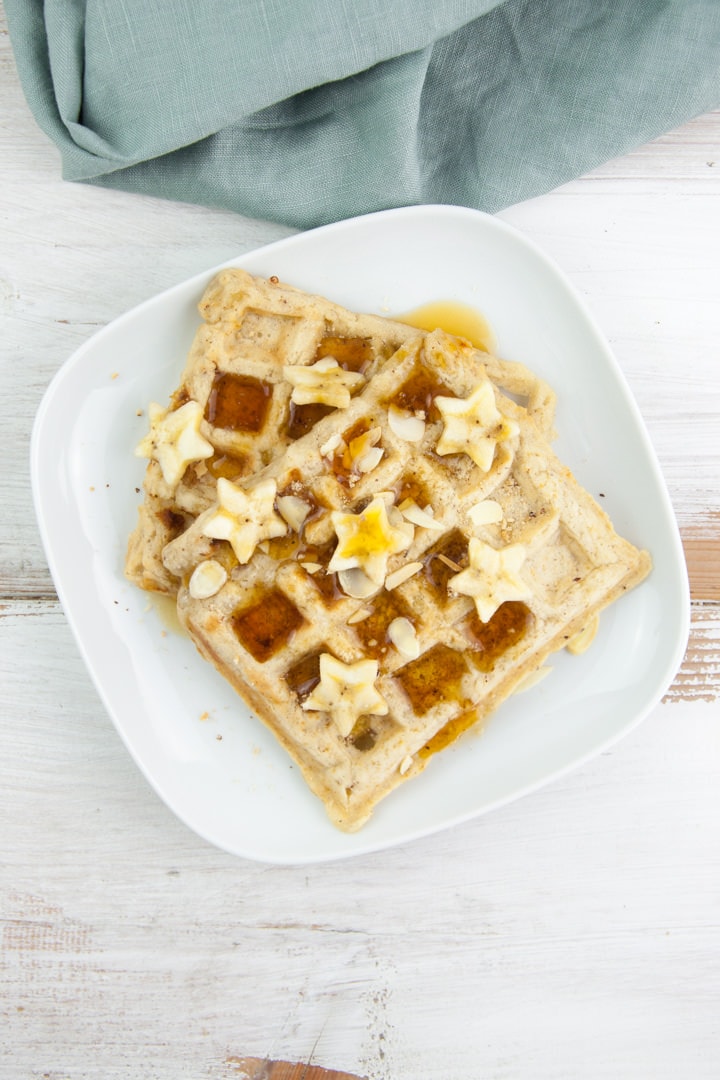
252, 328
397, 572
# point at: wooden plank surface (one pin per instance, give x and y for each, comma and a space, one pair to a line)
255, 1069
574, 933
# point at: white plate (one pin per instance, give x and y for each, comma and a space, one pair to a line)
241, 792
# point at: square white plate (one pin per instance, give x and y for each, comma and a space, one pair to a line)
211, 761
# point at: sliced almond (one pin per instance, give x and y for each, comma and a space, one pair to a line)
358, 616
405, 425
356, 583
402, 574
207, 579
403, 636
361, 443
294, 510
333, 444
487, 512
412, 512
370, 459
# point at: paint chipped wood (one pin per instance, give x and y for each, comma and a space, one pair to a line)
699, 676
701, 541
246, 1068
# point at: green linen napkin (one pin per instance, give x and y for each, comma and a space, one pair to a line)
308, 111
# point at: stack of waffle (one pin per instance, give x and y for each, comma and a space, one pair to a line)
367, 531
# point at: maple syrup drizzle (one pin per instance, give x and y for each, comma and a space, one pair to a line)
434, 678
238, 402
267, 625
363, 736
166, 610
304, 676
490, 640
303, 418
462, 320
437, 570
351, 353
227, 466
373, 631
342, 463
418, 392
449, 732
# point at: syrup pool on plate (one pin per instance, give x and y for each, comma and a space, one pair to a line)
462, 320
166, 610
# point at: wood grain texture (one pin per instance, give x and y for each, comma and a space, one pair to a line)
701, 541
573, 933
699, 676
255, 1069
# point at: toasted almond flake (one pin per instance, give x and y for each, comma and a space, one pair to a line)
294, 510
356, 583
370, 459
449, 562
402, 634
487, 512
405, 425
532, 679
359, 616
361, 443
584, 638
405, 765
412, 512
403, 573
207, 579
331, 445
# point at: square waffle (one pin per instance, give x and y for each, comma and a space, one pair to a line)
252, 328
398, 571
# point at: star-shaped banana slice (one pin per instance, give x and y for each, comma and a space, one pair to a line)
474, 425
346, 692
244, 517
492, 577
174, 440
367, 540
322, 383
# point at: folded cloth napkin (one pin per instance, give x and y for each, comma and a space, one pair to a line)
308, 111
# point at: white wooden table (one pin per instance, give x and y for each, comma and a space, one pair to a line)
575, 933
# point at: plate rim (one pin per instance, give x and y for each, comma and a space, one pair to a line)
39, 437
